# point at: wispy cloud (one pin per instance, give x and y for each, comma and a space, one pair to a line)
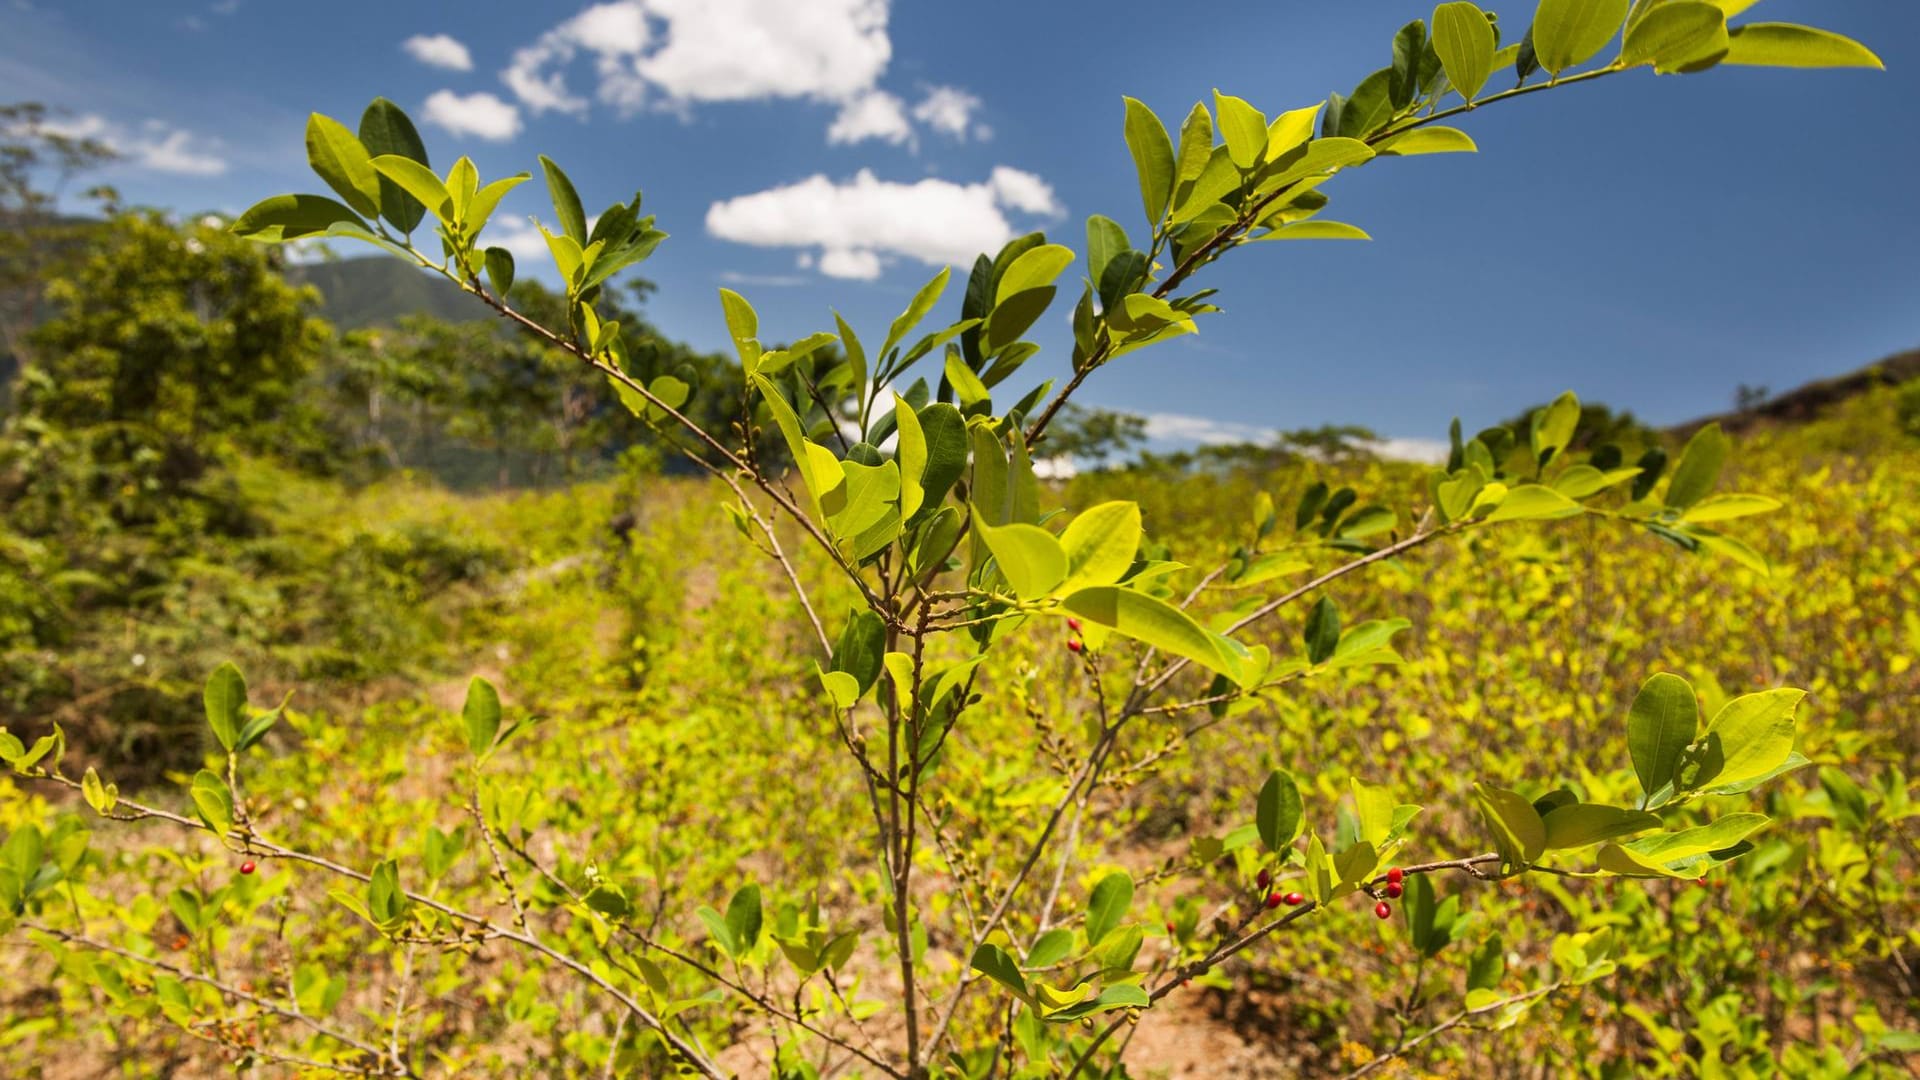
155, 145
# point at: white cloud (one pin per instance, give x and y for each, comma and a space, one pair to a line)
875, 114
1024, 191
947, 110
853, 225
690, 51
439, 50
478, 114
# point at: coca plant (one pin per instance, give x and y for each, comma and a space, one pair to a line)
908, 466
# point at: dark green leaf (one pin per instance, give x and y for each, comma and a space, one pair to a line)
385, 129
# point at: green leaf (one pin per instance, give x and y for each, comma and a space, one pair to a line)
1699, 467
1534, 502
1100, 544
1569, 32
419, 182
481, 207
566, 202
922, 302
1316, 230
1323, 630
1196, 148
340, 159
1279, 814
1728, 507
1488, 965
463, 183
1108, 905
1163, 626
1152, 151
1435, 139
1118, 996
213, 799
1291, 130
1035, 268
1029, 556
1465, 41
1552, 427
500, 270
1000, 966
743, 918
225, 697
1788, 45
743, 326
1749, 737
1579, 825
861, 649
1373, 807
1718, 835
1518, 832
481, 713
1050, 948
717, 930
842, 689
385, 129
946, 435
290, 217
102, 797
1370, 107
1662, 722
1243, 127
1679, 35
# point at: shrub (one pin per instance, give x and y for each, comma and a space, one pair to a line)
982, 925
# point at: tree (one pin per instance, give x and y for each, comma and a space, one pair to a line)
1094, 435
32, 234
179, 333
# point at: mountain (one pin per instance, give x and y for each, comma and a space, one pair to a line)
377, 291
1800, 405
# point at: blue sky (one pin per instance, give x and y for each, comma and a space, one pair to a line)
1646, 241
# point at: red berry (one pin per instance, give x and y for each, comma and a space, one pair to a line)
247, 867
1170, 929
1073, 625
1273, 900
1075, 645
1293, 899
1394, 889
1382, 910
1702, 881
1265, 879
1396, 875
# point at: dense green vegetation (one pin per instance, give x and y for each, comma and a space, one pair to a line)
1588, 751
